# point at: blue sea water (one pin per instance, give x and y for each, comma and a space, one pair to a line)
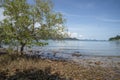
91, 48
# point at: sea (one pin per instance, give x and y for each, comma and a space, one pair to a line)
89, 48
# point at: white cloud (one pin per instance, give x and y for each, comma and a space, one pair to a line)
108, 19
72, 35
75, 35
76, 15
100, 18
72, 15
80, 36
111, 20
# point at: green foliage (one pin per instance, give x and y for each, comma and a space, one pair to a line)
114, 38
21, 18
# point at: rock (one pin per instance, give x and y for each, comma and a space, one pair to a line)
30, 51
76, 55
77, 52
49, 61
3, 53
54, 53
98, 63
38, 51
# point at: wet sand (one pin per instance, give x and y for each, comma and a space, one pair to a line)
98, 60
85, 60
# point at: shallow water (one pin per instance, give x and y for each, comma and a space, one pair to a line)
91, 48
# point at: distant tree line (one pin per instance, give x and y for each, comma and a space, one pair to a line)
115, 38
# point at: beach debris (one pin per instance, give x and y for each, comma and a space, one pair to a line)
3, 51
76, 54
30, 51
54, 53
98, 62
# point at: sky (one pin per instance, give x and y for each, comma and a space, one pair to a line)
90, 19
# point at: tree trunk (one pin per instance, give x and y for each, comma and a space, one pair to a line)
22, 48
0, 45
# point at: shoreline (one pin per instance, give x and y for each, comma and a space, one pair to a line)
28, 68
14, 66
76, 57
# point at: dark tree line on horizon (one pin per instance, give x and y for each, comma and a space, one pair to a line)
114, 38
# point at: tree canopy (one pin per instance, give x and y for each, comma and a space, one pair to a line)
28, 24
115, 38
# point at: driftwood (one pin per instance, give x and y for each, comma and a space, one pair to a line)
76, 54
3, 51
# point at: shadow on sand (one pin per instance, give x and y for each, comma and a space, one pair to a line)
32, 74
26, 74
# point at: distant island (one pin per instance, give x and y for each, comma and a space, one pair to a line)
70, 38
114, 38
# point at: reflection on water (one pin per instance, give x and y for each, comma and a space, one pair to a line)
116, 43
100, 48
